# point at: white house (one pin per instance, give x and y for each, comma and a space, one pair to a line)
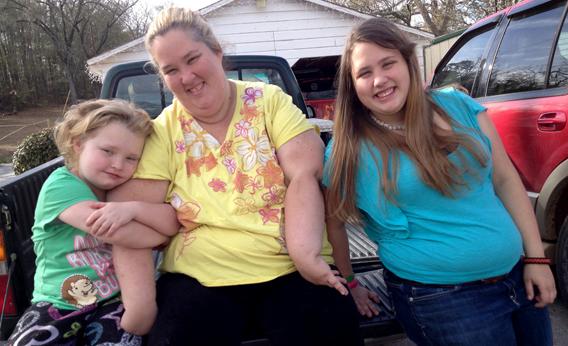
298, 30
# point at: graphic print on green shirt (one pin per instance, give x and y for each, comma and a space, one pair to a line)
73, 268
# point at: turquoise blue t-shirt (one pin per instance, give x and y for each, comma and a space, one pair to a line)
426, 236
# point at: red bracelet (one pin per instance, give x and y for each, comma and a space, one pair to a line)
537, 260
353, 283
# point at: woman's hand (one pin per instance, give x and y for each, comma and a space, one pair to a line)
318, 272
539, 276
334, 280
365, 300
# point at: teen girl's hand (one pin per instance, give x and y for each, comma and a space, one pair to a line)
365, 300
110, 216
539, 284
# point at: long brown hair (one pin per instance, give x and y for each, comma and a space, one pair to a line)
426, 144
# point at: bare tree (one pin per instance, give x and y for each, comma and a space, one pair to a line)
138, 20
78, 29
436, 16
21, 67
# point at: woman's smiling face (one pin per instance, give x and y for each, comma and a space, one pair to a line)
192, 71
381, 79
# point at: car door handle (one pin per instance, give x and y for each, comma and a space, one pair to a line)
552, 121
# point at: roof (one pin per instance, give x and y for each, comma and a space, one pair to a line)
447, 36
114, 51
208, 9
216, 5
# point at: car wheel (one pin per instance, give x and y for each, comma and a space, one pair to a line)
562, 263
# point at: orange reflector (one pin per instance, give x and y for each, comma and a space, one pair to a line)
2, 248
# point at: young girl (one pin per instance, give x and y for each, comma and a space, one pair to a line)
426, 175
76, 291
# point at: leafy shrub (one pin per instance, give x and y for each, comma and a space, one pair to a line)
34, 150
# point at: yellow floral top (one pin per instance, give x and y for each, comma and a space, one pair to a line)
233, 190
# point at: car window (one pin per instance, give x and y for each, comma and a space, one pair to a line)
266, 75
559, 69
233, 74
148, 93
145, 91
464, 65
522, 58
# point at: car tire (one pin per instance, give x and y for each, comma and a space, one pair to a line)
562, 263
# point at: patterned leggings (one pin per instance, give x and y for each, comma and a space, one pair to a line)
43, 324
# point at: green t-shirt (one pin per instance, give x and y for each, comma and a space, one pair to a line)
73, 268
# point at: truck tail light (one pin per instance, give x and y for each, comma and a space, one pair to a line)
6, 292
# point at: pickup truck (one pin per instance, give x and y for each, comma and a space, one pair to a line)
138, 83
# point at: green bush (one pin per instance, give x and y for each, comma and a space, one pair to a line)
34, 150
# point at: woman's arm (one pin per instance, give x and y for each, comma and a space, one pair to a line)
301, 159
133, 234
510, 190
110, 216
149, 196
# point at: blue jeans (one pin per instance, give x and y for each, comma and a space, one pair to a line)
477, 314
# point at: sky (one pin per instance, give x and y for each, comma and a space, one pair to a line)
193, 4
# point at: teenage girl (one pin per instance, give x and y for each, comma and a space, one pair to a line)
427, 177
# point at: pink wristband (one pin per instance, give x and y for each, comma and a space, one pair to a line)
352, 284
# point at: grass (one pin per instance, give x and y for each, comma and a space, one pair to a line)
5, 157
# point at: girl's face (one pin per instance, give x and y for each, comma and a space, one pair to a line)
108, 157
192, 71
381, 79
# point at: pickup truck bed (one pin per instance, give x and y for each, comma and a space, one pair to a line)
18, 197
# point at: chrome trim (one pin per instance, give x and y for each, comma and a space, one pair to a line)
533, 196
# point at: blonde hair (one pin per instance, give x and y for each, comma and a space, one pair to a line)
80, 122
183, 19
425, 143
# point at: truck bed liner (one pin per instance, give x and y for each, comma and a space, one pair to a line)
17, 217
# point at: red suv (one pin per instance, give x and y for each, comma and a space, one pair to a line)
515, 62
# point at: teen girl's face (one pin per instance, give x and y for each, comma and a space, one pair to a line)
381, 79
192, 71
108, 157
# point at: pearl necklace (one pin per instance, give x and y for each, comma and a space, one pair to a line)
385, 125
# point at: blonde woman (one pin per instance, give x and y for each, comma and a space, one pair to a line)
241, 161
